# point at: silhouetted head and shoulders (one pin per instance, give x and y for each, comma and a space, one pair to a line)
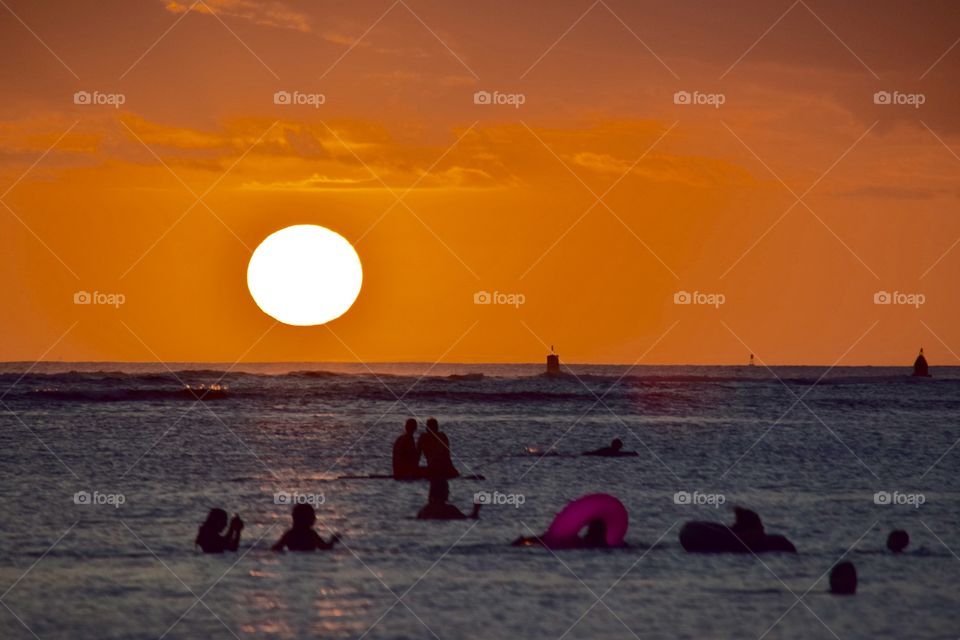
406, 457
615, 450
302, 536
746, 534
438, 507
435, 448
746, 522
898, 540
843, 579
209, 537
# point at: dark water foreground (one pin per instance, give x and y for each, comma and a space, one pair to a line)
154, 459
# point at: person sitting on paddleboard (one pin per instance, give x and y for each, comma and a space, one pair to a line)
406, 459
435, 447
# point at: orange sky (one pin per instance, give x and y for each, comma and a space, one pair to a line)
443, 197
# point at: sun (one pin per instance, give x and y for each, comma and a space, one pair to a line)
304, 275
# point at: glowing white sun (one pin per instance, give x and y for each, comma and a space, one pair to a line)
304, 275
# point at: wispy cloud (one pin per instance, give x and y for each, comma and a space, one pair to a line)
270, 14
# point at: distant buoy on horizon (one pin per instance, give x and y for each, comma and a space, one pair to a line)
751, 360
920, 367
553, 363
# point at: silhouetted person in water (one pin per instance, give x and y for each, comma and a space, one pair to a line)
843, 579
613, 451
437, 507
745, 535
301, 536
898, 540
208, 535
406, 460
435, 447
746, 523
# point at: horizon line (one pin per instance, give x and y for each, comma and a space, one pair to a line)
434, 364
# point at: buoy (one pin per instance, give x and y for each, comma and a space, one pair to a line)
920, 367
553, 363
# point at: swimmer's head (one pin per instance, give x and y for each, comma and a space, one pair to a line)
432, 424
439, 491
304, 516
747, 521
216, 520
843, 579
410, 426
898, 540
616, 444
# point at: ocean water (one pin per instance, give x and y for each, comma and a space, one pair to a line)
805, 447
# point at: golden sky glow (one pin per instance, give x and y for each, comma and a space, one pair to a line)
597, 199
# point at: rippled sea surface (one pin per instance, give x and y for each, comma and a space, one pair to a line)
806, 448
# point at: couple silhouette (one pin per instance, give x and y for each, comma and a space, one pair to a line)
433, 445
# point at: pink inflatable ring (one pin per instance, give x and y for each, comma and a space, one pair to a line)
604, 516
